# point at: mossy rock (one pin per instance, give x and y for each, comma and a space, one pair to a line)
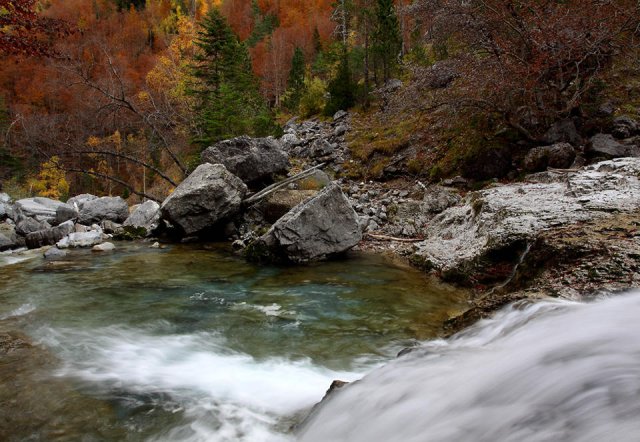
130, 233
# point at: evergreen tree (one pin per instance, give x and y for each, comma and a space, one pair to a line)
229, 101
387, 41
341, 87
317, 42
296, 80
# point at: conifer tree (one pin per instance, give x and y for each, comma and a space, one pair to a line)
341, 87
229, 101
387, 41
296, 80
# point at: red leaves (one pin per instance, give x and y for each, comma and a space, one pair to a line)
23, 31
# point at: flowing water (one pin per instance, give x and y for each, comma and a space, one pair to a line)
191, 343
553, 371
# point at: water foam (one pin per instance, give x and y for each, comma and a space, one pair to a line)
553, 371
225, 395
24, 309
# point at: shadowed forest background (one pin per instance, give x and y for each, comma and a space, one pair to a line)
117, 97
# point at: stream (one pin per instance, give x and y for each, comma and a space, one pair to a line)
190, 343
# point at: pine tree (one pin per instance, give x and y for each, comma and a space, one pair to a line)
387, 41
229, 101
296, 80
341, 87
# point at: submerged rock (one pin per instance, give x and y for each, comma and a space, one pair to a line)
208, 196
250, 159
55, 253
316, 229
103, 209
104, 247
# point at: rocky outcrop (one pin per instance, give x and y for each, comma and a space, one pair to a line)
210, 195
497, 224
100, 209
253, 160
49, 236
145, 216
557, 156
316, 229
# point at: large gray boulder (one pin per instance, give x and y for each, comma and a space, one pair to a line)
253, 160
606, 146
323, 226
558, 156
46, 237
27, 225
208, 196
9, 239
42, 209
146, 216
100, 209
79, 200
505, 218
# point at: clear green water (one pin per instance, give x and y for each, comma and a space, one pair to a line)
192, 343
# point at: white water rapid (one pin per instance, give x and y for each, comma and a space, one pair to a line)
552, 371
224, 395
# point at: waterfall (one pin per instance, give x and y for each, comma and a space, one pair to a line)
551, 371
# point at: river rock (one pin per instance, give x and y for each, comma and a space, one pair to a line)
100, 209
65, 213
8, 237
208, 196
104, 247
558, 156
29, 225
86, 239
503, 219
42, 209
253, 160
54, 253
316, 229
79, 200
278, 203
145, 216
49, 236
604, 145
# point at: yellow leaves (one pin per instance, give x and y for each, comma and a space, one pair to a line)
51, 181
143, 96
93, 141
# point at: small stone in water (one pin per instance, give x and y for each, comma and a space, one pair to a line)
104, 247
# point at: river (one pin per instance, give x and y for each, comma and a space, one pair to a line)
190, 343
